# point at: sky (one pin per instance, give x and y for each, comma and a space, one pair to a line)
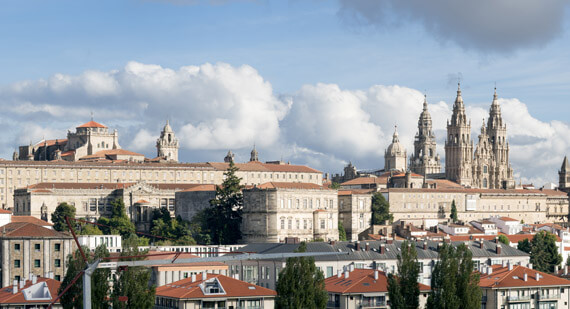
313, 82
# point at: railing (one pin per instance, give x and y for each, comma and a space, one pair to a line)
518, 298
549, 296
372, 304
333, 304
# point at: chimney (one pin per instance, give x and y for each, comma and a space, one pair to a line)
525, 277
204, 275
346, 274
530, 265
565, 270
338, 273
382, 248
556, 269
490, 270
425, 245
498, 249
333, 242
537, 276
510, 266
367, 247
376, 275
15, 287
357, 245
193, 277
503, 263
351, 267
34, 279
389, 241
22, 284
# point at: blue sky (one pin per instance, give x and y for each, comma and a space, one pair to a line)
297, 50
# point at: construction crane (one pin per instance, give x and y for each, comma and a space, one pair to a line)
91, 267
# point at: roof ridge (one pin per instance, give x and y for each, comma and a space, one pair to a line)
507, 273
355, 282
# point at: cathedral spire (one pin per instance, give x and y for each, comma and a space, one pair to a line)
395, 136
254, 155
458, 98
425, 103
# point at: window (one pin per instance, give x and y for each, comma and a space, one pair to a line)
57, 277
57, 263
290, 224
282, 224
37, 247
322, 224
92, 204
329, 271
17, 247
57, 247
37, 263
16, 263
171, 204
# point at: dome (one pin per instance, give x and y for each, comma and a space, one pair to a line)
395, 148
167, 127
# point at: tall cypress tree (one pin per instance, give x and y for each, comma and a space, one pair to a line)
404, 290
453, 214
301, 284
544, 252
380, 209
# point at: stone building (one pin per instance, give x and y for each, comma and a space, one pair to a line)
354, 211
274, 211
458, 145
564, 176
28, 249
167, 145
92, 200
395, 158
425, 159
193, 200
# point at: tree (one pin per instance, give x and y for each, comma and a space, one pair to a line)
58, 216
301, 284
453, 214
544, 254
504, 239
89, 229
132, 282
73, 298
454, 284
403, 289
223, 218
335, 185
380, 209
341, 232
524, 245
164, 226
119, 222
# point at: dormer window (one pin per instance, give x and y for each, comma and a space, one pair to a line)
212, 287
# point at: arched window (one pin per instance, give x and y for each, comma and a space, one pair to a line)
484, 182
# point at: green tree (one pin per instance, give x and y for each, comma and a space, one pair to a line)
58, 216
341, 232
453, 214
504, 239
132, 282
301, 284
403, 289
380, 210
223, 218
119, 222
163, 225
335, 185
544, 254
73, 298
89, 229
524, 245
454, 284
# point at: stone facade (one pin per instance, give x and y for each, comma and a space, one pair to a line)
191, 201
425, 159
167, 145
458, 145
275, 211
395, 158
30, 249
355, 211
564, 176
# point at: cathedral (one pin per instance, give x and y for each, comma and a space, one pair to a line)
484, 165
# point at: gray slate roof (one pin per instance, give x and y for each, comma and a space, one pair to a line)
391, 253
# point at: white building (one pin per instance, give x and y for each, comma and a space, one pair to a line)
112, 242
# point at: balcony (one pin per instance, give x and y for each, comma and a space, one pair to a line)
518, 298
373, 304
333, 304
549, 296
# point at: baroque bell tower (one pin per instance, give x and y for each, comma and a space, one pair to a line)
458, 145
425, 160
167, 145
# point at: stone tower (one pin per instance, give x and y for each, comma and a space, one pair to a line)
564, 176
395, 157
167, 145
483, 161
229, 157
254, 155
502, 175
425, 160
458, 145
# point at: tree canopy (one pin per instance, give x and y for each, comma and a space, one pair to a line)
380, 210
222, 220
58, 216
175, 231
73, 298
403, 289
119, 222
453, 214
341, 232
454, 284
544, 254
301, 284
504, 239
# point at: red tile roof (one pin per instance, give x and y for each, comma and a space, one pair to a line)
507, 219
30, 219
404, 174
7, 297
106, 186
502, 277
5, 211
515, 238
112, 152
265, 167
361, 281
142, 202
291, 185
92, 124
356, 191
205, 187
26, 229
185, 289
181, 255
365, 181
51, 142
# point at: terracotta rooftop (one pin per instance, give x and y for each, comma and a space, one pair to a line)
205, 187
356, 191
361, 281
404, 174
26, 229
365, 181
7, 297
508, 219
291, 185
502, 277
233, 288
181, 255
51, 142
112, 152
92, 124
30, 219
5, 211
47, 186
265, 167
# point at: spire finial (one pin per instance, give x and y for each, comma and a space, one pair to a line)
91, 115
